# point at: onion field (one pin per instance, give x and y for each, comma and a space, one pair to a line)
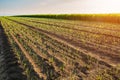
58, 49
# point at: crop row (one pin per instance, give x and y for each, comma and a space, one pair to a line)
83, 40
47, 49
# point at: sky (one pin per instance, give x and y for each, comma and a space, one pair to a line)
19, 7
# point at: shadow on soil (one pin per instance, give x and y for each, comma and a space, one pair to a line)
9, 66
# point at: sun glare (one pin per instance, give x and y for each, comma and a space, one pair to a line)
99, 6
